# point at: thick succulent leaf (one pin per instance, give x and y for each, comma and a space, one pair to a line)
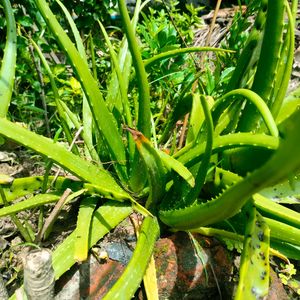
168, 54
287, 192
289, 105
109, 194
197, 117
86, 210
283, 232
86, 112
112, 212
130, 280
254, 269
113, 98
104, 120
175, 165
277, 211
150, 281
290, 250
154, 167
35, 201
84, 170
27, 185
8, 62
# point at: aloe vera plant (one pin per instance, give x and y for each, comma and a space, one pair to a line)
169, 188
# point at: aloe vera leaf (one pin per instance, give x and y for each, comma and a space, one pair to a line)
104, 120
284, 162
64, 116
150, 281
86, 112
197, 118
262, 200
238, 159
87, 207
284, 232
254, 269
235, 237
204, 165
250, 53
277, 211
216, 232
118, 86
168, 54
154, 167
284, 192
35, 201
285, 65
180, 190
105, 218
122, 86
192, 153
92, 189
84, 170
228, 120
131, 278
143, 113
235, 140
173, 164
143, 119
255, 99
8, 64
266, 72
291, 102
290, 250
113, 98
272, 41
27, 185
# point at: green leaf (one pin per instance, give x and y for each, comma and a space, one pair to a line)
27, 185
254, 269
277, 211
290, 250
87, 207
8, 63
178, 167
101, 114
134, 272
84, 170
112, 212
154, 168
63, 256
284, 192
284, 232
25, 21
197, 117
35, 201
